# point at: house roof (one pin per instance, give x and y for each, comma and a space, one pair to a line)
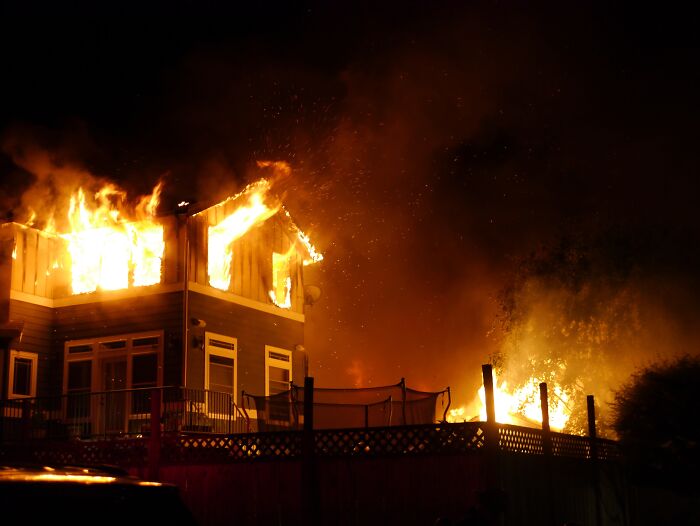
272, 201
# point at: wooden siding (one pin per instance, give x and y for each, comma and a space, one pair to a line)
40, 265
6, 247
251, 265
141, 314
253, 330
174, 235
37, 338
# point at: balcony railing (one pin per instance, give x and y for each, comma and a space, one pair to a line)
120, 413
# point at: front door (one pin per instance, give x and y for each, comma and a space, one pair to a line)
113, 403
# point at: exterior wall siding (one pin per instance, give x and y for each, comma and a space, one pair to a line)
146, 313
36, 338
253, 330
251, 264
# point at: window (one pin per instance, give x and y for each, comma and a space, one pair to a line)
220, 374
144, 370
278, 370
90, 364
22, 374
78, 387
79, 377
281, 293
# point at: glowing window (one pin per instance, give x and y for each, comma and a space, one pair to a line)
281, 281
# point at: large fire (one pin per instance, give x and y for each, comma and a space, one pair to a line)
111, 244
520, 405
108, 248
258, 205
110, 252
253, 212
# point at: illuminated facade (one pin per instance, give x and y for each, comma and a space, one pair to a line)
208, 320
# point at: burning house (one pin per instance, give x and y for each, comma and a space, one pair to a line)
209, 299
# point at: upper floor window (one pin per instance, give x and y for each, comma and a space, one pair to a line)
281, 293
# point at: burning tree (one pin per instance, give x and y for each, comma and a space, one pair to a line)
579, 316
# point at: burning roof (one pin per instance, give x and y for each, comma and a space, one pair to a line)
109, 245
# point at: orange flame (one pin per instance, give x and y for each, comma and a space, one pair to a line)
520, 406
258, 206
281, 293
110, 252
222, 235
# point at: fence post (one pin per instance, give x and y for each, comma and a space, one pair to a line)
593, 436
403, 400
309, 488
493, 487
489, 400
546, 430
155, 438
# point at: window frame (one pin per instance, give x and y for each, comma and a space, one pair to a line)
100, 350
288, 282
274, 362
34, 359
210, 350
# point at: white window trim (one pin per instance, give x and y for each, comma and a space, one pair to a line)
97, 354
225, 353
34, 358
276, 363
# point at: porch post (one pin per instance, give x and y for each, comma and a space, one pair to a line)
309, 488
155, 438
546, 431
590, 405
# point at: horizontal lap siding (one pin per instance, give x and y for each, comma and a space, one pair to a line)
140, 314
36, 338
253, 330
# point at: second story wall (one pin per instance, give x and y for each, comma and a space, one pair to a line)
251, 264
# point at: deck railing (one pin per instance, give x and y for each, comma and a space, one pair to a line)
120, 413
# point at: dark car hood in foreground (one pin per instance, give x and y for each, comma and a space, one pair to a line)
88, 495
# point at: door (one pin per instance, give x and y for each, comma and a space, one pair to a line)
113, 403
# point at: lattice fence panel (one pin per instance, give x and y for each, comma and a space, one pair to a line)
608, 450
118, 452
404, 440
571, 446
227, 448
516, 439
371, 442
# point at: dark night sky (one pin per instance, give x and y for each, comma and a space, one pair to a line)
432, 143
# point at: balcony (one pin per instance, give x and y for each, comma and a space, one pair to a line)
125, 413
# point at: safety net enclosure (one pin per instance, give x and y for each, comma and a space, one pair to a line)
338, 408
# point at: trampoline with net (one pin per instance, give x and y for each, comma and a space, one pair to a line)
340, 408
